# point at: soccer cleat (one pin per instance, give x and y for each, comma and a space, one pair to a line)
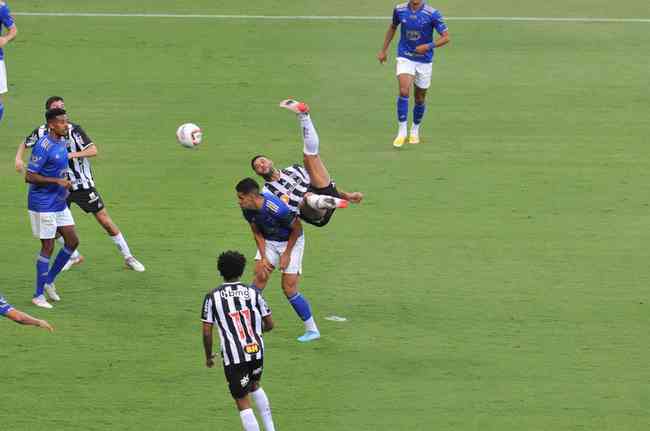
399, 141
414, 139
295, 106
330, 202
309, 336
40, 301
73, 261
50, 289
132, 263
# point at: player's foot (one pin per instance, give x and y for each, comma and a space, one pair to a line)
309, 336
414, 138
73, 261
132, 262
295, 106
330, 202
399, 141
40, 301
50, 289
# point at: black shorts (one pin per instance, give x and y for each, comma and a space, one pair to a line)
88, 200
240, 377
330, 190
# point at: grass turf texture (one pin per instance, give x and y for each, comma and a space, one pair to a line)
495, 278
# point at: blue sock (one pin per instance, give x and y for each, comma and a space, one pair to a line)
418, 112
2, 111
300, 304
42, 264
402, 109
60, 261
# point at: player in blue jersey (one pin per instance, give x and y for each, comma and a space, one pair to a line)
48, 209
20, 317
415, 53
280, 244
6, 21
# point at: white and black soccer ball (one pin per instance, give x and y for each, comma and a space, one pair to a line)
189, 135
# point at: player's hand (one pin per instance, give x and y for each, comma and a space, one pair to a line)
210, 362
285, 259
20, 166
355, 197
64, 183
423, 49
382, 56
266, 267
45, 325
3, 41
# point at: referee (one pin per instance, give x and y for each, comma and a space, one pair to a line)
83, 193
241, 314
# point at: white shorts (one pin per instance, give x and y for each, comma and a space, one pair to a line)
3, 77
44, 225
421, 71
274, 250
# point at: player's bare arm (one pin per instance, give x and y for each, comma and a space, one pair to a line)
11, 35
34, 178
296, 232
90, 151
442, 41
23, 318
390, 34
207, 344
20, 154
267, 323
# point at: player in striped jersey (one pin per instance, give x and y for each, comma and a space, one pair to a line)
80, 149
241, 315
21, 317
309, 190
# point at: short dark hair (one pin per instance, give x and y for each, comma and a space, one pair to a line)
247, 185
231, 265
51, 114
51, 100
254, 159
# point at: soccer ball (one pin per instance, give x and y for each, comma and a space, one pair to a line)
189, 135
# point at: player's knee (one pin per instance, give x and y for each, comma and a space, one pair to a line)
404, 92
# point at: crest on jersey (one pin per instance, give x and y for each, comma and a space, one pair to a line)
285, 199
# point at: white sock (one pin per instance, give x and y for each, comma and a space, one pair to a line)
248, 420
74, 255
310, 324
415, 129
263, 408
403, 126
309, 135
121, 245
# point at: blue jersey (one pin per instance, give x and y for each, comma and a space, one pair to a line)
5, 307
417, 29
6, 20
49, 159
273, 220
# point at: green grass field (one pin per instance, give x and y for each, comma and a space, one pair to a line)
495, 278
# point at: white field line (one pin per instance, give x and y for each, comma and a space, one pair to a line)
329, 17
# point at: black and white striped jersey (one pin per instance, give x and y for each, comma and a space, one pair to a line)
290, 187
79, 170
237, 310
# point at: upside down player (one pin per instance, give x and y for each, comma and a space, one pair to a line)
241, 315
308, 191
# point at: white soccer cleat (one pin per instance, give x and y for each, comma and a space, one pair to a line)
50, 289
73, 261
132, 263
330, 202
295, 106
40, 301
414, 138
